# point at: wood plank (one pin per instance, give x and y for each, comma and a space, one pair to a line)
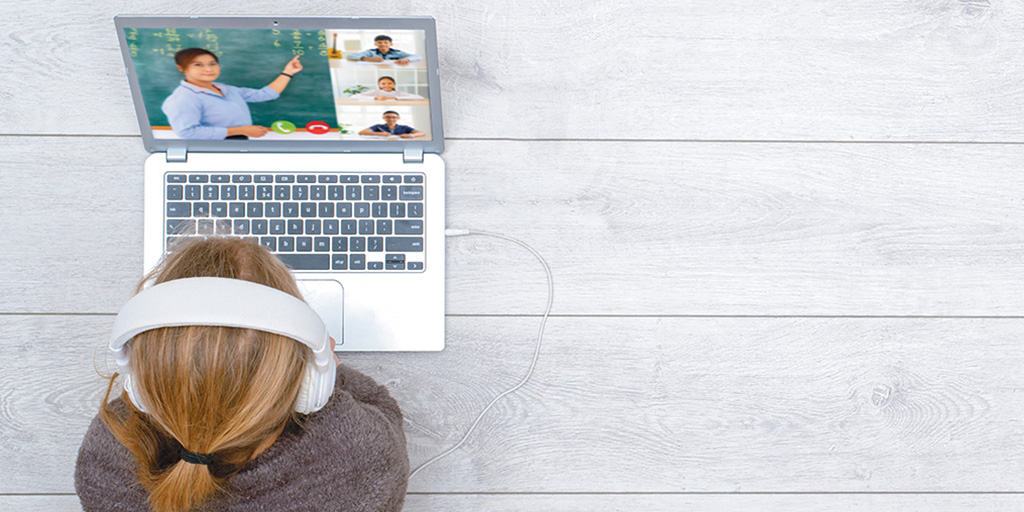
651, 503
707, 69
654, 405
628, 228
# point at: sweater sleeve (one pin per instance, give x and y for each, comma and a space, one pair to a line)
105, 473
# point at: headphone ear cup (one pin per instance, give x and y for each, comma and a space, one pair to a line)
133, 393
316, 388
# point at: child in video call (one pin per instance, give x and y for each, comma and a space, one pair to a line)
386, 91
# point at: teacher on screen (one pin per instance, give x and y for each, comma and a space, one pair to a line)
201, 109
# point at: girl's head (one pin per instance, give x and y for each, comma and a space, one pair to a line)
221, 391
386, 83
197, 64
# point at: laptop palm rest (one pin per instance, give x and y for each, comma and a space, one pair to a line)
327, 298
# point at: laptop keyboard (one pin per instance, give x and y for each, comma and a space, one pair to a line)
362, 222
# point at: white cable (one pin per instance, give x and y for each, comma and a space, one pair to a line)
536, 351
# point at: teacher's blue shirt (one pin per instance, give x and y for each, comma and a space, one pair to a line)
200, 114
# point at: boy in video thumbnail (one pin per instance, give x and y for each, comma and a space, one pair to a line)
391, 127
383, 52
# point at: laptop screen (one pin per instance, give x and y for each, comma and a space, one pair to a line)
282, 84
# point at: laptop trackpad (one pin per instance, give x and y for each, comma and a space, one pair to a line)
327, 298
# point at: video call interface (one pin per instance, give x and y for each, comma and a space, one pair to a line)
288, 84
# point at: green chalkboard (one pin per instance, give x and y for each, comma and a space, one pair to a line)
248, 58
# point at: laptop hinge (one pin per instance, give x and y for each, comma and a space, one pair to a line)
412, 155
177, 154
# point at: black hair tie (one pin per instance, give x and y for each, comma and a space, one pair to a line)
195, 458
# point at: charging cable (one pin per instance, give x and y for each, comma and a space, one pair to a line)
536, 351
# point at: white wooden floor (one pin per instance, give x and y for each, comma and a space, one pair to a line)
787, 241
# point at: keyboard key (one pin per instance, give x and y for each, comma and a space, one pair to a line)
241, 178
269, 242
348, 178
344, 209
354, 193
389, 192
366, 227
348, 227
259, 226
394, 265
273, 210
326, 209
375, 244
179, 210
375, 265
175, 192
331, 227
380, 209
307, 209
384, 227
327, 178
254, 209
193, 192
339, 244
307, 178
370, 178
198, 178
219, 209
321, 244
284, 178
286, 243
303, 243
312, 226
404, 244
392, 178
397, 210
362, 209
306, 261
236, 209
211, 192
416, 210
339, 262
263, 178
357, 244
223, 227
264, 192
282, 192
247, 192
290, 209
408, 227
300, 192
229, 192
318, 192
371, 192
336, 192
294, 227
277, 227
394, 257
415, 265
414, 178
220, 178
241, 226
204, 227
181, 227
200, 209
176, 178
410, 192
357, 261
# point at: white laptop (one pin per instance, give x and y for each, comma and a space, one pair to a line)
331, 160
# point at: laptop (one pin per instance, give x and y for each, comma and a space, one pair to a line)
319, 138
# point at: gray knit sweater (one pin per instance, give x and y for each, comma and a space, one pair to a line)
348, 456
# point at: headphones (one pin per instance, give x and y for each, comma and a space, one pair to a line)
218, 301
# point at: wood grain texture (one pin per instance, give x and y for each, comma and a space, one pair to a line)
650, 503
653, 405
706, 69
628, 228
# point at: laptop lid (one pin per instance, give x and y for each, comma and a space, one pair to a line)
378, 76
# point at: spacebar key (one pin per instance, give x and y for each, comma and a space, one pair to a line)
306, 261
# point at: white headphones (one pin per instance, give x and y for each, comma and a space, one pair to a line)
225, 302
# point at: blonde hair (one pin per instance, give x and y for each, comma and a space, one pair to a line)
221, 391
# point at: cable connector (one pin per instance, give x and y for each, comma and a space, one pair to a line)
455, 232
